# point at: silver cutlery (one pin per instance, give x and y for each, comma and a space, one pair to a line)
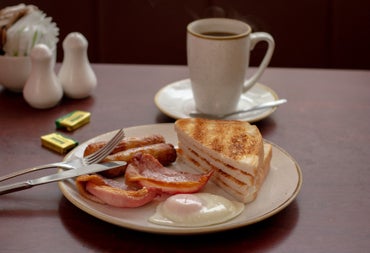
223, 116
89, 169
76, 161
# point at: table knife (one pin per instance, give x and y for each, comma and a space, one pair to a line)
93, 168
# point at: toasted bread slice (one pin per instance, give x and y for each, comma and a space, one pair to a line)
233, 149
236, 143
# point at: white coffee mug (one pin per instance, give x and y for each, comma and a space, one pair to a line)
218, 51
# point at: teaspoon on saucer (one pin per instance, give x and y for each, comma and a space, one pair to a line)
223, 116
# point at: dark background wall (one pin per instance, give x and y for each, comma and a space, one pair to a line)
308, 33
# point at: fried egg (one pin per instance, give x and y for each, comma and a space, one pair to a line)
198, 209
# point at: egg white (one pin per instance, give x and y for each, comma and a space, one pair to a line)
198, 209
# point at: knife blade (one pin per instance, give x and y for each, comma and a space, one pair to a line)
93, 168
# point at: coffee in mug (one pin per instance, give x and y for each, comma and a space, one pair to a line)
218, 51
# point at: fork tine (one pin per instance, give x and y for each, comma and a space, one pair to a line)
112, 141
111, 145
106, 150
100, 154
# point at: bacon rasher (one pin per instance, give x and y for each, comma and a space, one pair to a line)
145, 179
148, 172
112, 192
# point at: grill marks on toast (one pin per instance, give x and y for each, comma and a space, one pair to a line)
238, 140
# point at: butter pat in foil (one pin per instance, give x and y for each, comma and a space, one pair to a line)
58, 142
73, 120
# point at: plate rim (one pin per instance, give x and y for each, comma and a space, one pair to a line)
258, 117
186, 230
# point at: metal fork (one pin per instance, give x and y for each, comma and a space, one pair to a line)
77, 161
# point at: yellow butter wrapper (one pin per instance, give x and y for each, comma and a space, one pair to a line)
73, 120
58, 143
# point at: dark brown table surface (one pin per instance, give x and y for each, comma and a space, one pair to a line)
325, 126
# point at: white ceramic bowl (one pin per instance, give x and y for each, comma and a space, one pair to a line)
14, 72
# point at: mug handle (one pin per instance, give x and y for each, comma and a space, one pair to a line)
255, 38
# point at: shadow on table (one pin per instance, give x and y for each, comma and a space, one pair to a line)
163, 118
266, 126
105, 237
18, 105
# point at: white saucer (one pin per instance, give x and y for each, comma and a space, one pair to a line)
176, 101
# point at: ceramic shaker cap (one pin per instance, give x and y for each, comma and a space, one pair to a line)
76, 75
42, 89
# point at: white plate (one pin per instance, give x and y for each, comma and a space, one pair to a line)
279, 189
176, 100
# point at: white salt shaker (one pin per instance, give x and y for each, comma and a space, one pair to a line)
76, 75
42, 89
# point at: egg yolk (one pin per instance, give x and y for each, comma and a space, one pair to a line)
183, 204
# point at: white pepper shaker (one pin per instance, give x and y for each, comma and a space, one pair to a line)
42, 89
76, 75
